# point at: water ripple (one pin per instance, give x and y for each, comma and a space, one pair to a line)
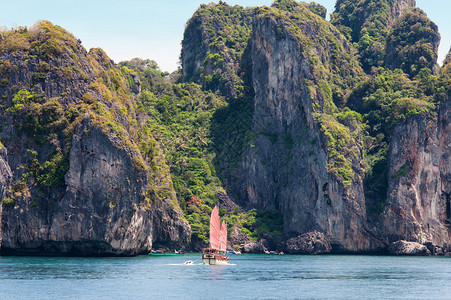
248, 277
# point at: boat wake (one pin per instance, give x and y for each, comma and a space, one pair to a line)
183, 264
196, 264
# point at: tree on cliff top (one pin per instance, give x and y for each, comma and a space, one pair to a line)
365, 23
214, 41
412, 43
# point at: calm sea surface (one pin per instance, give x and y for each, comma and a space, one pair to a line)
249, 277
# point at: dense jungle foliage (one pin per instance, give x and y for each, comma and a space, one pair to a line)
412, 42
220, 35
382, 39
182, 118
202, 115
365, 24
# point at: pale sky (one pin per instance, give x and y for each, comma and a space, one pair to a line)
152, 28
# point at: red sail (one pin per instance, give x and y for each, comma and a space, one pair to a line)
215, 229
223, 242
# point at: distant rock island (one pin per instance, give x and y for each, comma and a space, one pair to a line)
311, 136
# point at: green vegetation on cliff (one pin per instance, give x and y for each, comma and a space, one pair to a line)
364, 23
181, 119
191, 130
384, 100
291, 6
389, 34
44, 39
318, 9
343, 136
413, 43
62, 83
443, 85
214, 41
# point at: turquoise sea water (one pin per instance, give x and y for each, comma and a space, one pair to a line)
249, 277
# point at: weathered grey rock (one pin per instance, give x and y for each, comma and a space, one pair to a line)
5, 181
420, 180
238, 237
309, 243
5, 171
111, 201
408, 248
435, 249
136, 88
101, 211
253, 247
285, 169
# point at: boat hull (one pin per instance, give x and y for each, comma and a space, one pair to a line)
213, 261
213, 257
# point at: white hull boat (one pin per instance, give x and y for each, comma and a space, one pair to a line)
213, 257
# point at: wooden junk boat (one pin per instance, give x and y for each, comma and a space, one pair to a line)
217, 253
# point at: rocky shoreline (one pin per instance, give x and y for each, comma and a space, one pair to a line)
337, 156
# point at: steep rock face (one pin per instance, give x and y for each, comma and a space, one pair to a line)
76, 181
5, 180
214, 40
5, 171
286, 166
101, 211
420, 180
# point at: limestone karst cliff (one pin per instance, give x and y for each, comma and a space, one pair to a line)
291, 165
419, 175
420, 180
305, 132
321, 138
77, 178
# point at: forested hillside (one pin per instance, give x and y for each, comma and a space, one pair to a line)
311, 136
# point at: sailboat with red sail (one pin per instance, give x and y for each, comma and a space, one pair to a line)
216, 254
